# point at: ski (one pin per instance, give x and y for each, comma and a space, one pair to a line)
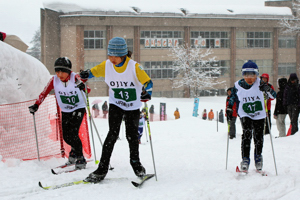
64, 171
68, 165
53, 187
145, 178
263, 173
239, 171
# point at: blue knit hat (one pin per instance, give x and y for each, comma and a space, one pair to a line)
250, 67
117, 47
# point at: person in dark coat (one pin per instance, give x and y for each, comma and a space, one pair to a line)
231, 121
105, 109
291, 100
151, 111
221, 116
280, 110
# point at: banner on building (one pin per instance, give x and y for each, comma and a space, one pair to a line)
196, 42
203, 42
217, 43
196, 104
147, 42
158, 42
164, 43
170, 42
162, 112
176, 42
153, 42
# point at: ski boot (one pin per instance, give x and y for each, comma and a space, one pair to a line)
72, 158
94, 178
138, 168
245, 164
80, 163
258, 162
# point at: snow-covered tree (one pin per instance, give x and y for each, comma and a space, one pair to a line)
292, 25
35, 50
195, 69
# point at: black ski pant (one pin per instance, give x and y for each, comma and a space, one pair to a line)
255, 127
131, 124
232, 129
70, 127
293, 111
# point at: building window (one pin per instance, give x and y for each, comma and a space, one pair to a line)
94, 39
129, 43
206, 39
254, 39
159, 69
287, 42
285, 69
90, 65
164, 69
264, 66
160, 39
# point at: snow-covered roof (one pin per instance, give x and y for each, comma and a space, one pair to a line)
172, 10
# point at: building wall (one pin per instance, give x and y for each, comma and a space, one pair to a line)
66, 33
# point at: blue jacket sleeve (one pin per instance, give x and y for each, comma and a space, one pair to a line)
148, 87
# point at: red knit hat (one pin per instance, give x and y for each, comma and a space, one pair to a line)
2, 36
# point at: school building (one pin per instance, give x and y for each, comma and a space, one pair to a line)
235, 35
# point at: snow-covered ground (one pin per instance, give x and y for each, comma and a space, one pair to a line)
190, 158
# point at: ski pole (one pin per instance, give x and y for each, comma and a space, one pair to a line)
146, 131
227, 142
150, 139
93, 123
88, 108
270, 135
36, 138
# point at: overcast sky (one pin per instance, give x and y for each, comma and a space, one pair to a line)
22, 17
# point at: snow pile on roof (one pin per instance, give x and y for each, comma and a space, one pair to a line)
22, 76
172, 8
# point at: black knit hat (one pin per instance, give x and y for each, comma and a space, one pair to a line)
63, 64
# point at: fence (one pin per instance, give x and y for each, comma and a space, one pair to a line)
17, 134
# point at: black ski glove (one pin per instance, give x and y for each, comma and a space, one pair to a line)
85, 74
265, 88
229, 113
145, 96
80, 85
33, 108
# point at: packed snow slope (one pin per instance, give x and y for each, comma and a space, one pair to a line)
190, 159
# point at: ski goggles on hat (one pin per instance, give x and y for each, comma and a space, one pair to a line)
250, 72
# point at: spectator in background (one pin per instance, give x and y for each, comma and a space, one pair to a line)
177, 114
151, 111
96, 110
280, 110
231, 120
105, 109
265, 78
211, 115
221, 116
291, 100
204, 114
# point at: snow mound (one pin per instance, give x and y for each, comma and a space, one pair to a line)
22, 77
